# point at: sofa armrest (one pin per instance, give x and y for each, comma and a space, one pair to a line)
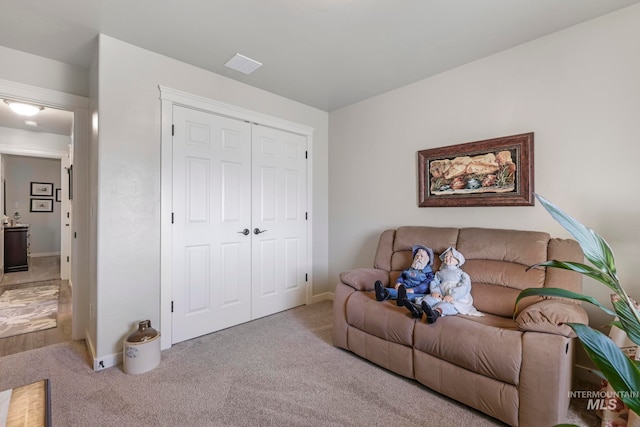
362, 279
550, 316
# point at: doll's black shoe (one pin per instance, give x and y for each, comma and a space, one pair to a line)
432, 314
402, 295
416, 310
381, 293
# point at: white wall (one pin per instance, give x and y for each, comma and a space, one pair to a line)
37, 71
128, 220
578, 90
30, 141
44, 228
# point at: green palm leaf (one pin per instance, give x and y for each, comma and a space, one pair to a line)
627, 319
621, 372
595, 248
561, 293
582, 269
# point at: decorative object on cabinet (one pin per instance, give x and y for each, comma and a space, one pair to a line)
41, 189
493, 172
58, 194
41, 205
16, 248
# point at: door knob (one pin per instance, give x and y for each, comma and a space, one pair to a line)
258, 231
245, 232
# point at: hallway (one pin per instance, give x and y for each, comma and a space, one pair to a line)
42, 271
40, 268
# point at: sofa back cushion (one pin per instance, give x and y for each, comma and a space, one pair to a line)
437, 238
496, 260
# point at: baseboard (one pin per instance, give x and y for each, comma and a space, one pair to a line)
105, 362
327, 296
90, 347
43, 254
108, 361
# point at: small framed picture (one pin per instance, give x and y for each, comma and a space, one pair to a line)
58, 194
42, 189
41, 205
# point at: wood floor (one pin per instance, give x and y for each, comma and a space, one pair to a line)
32, 340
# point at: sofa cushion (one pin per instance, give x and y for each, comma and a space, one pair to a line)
564, 250
383, 319
497, 262
401, 256
437, 238
364, 279
478, 346
514, 246
504, 274
550, 316
494, 299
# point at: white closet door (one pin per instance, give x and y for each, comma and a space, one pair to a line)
211, 280
279, 224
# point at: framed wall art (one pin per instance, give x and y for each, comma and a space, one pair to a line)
42, 189
41, 205
493, 172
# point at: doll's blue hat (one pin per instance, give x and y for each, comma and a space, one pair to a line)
415, 249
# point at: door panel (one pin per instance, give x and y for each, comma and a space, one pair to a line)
279, 207
230, 176
211, 203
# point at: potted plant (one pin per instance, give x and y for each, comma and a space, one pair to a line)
622, 373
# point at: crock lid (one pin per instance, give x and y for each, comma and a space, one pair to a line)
144, 333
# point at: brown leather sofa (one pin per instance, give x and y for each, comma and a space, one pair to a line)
518, 370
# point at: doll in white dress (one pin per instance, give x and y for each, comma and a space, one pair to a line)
450, 290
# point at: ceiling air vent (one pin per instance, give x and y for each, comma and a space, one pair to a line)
243, 64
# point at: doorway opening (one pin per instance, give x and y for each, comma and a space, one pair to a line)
44, 206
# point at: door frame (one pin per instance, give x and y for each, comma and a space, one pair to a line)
79, 106
170, 97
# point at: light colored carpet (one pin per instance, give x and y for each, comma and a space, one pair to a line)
28, 309
282, 370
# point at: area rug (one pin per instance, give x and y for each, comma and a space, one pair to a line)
28, 309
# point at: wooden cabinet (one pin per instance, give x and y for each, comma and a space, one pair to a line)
16, 249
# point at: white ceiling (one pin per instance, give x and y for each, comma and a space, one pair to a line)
323, 53
49, 120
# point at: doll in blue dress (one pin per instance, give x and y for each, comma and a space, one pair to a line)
413, 282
